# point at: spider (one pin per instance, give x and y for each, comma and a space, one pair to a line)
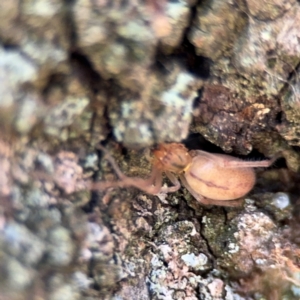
212, 179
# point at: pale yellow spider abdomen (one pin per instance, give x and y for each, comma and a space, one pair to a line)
210, 176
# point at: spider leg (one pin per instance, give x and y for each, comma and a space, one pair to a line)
152, 185
176, 184
112, 162
251, 164
235, 163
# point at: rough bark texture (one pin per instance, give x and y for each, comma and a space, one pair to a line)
132, 74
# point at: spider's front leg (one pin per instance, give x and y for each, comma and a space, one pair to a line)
164, 190
151, 186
